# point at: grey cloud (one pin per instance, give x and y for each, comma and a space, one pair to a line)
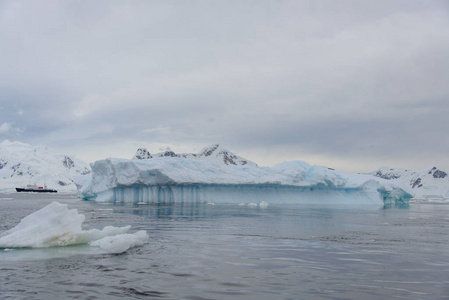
342, 79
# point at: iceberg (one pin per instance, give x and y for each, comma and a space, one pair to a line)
177, 180
428, 184
55, 225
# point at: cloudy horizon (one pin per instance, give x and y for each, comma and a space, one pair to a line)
352, 85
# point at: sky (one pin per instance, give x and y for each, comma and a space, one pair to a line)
352, 85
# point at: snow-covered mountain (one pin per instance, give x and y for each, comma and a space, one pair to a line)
214, 153
22, 164
428, 183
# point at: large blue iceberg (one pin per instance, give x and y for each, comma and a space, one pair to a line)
177, 180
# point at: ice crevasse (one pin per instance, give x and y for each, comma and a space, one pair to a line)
173, 180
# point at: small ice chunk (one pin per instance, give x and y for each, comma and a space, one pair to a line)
263, 204
120, 243
252, 205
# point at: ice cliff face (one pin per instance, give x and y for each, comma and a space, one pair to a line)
174, 179
22, 164
428, 183
214, 153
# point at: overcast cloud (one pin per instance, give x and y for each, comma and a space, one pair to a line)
349, 84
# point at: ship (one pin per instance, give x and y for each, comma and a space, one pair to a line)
36, 189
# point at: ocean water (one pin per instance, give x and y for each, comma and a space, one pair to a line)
226, 251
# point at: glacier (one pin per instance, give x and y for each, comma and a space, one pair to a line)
177, 180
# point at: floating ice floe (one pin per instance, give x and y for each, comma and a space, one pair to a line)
176, 180
56, 225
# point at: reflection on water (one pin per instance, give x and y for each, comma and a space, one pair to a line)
227, 251
168, 210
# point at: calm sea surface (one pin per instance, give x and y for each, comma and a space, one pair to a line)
231, 252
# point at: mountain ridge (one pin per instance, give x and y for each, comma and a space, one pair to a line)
215, 153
